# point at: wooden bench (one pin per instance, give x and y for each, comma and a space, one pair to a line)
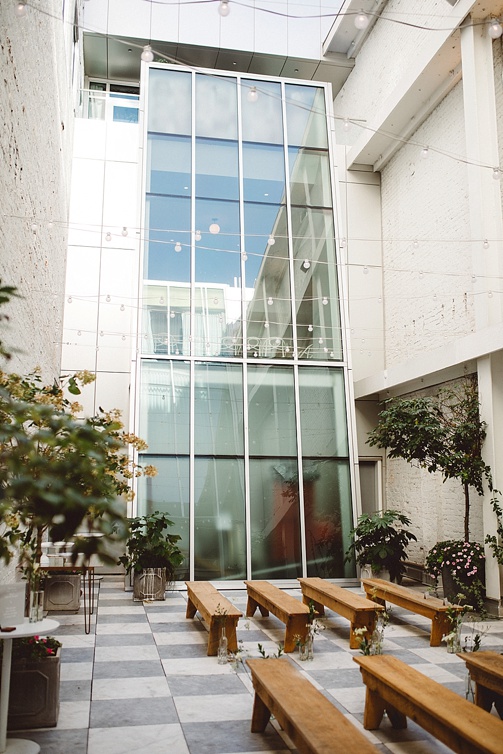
314, 724
486, 671
216, 610
292, 612
431, 607
402, 691
361, 612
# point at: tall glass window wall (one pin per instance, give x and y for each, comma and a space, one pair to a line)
242, 373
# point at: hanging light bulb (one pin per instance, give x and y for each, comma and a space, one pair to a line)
310, 328
266, 325
485, 244
197, 235
178, 246
320, 341
495, 29
223, 8
244, 256
214, 227
271, 241
172, 314
270, 301
342, 243
365, 270
21, 9
325, 301
361, 20
306, 264
108, 236
496, 174
415, 243
124, 231
252, 95
108, 299
346, 124
147, 55
123, 308
425, 151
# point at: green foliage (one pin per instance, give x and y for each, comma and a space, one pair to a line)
495, 540
465, 561
378, 542
34, 648
59, 474
275, 656
151, 545
441, 433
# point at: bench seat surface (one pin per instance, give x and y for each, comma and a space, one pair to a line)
313, 723
449, 717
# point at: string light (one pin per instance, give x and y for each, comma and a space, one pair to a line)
108, 236
306, 264
197, 235
270, 301
496, 174
178, 246
21, 9
425, 152
495, 29
224, 8
147, 55
271, 241
346, 124
214, 228
252, 95
361, 20
124, 231
485, 244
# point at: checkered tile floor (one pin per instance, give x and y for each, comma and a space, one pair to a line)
141, 680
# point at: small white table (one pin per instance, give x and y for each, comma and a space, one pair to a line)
43, 627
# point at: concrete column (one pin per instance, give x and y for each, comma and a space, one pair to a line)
490, 378
482, 154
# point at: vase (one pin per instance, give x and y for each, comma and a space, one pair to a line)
36, 609
306, 650
376, 642
34, 693
222, 648
150, 584
454, 641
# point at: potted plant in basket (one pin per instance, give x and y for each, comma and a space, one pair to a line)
34, 683
443, 433
152, 555
380, 541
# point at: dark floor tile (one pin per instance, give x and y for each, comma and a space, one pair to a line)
198, 685
129, 669
170, 651
337, 678
188, 625
77, 654
138, 617
121, 640
114, 713
230, 736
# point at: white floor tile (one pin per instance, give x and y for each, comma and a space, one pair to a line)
154, 739
179, 637
199, 709
124, 653
73, 715
130, 688
122, 628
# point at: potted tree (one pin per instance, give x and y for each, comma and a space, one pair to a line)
443, 433
152, 555
380, 542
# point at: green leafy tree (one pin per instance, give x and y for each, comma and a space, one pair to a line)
441, 433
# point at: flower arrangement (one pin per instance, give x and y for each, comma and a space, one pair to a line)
465, 561
31, 648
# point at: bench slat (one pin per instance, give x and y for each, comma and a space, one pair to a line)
215, 608
360, 611
397, 687
313, 723
269, 598
431, 607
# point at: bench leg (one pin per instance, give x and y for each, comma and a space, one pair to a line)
252, 605
440, 626
260, 715
374, 710
230, 630
191, 609
216, 630
320, 609
484, 697
296, 626
397, 719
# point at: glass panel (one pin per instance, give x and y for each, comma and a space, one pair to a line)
262, 118
217, 169
219, 536
305, 116
216, 106
369, 486
218, 264
263, 173
168, 239
166, 320
168, 492
271, 418
169, 165
328, 518
267, 282
169, 101
323, 422
275, 521
316, 289
164, 406
218, 428
310, 177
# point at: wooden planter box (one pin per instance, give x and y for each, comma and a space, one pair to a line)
150, 584
62, 592
34, 694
